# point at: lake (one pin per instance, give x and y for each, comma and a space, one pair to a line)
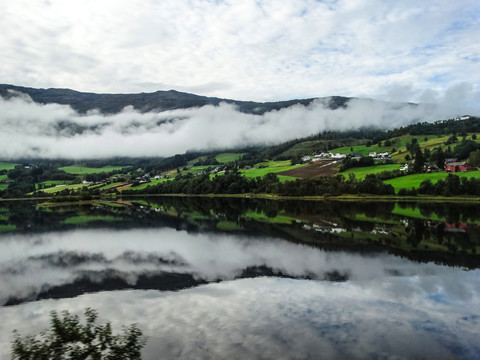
248, 278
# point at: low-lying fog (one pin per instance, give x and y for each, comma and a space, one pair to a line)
30, 129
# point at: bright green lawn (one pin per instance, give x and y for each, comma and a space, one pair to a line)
7, 165
414, 181
3, 186
83, 170
50, 183
109, 186
56, 189
228, 226
228, 157
279, 219
361, 149
83, 219
361, 172
414, 212
4, 228
151, 183
254, 173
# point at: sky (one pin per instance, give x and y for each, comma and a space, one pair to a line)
396, 51
420, 51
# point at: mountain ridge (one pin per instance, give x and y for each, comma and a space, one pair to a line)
161, 100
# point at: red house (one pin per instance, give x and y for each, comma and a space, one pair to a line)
457, 167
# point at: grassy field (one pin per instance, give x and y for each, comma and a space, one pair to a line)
279, 219
7, 165
109, 186
228, 226
56, 189
253, 173
361, 172
83, 219
5, 228
414, 212
51, 183
414, 181
228, 157
83, 170
151, 183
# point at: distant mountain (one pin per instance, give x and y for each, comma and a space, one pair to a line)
145, 102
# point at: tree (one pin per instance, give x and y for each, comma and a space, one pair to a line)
474, 158
419, 161
69, 339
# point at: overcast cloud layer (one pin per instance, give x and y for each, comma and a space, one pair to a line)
57, 131
246, 50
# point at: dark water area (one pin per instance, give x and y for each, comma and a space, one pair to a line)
251, 279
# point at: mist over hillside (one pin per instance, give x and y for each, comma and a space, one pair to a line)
63, 123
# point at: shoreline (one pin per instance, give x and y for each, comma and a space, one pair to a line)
345, 198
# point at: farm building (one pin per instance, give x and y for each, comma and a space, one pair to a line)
457, 167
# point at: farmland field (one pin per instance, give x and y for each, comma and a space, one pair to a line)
361, 172
55, 189
414, 181
228, 157
83, 219
317, 169
83, 170
7, 165
151, 183
51, 183
253, 173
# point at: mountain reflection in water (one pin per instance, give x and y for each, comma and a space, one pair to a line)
332, 280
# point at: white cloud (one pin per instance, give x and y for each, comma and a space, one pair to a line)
34, 130
251, 50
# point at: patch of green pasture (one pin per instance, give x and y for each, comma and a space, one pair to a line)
83, 219
5, 228
413, 181
361, 172
51, 183
284, 178
109, 186
253, 173
273, 164
3, 186
414, 212
228, 226
304, 148
83, 170
261, 216
228, 157
196, 169
376, 219
151, 183
3, 177
55, 189
362, 149
7, 165
3, 218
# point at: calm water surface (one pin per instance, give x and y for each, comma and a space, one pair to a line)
251, 279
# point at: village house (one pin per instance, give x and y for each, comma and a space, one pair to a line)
457, 167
